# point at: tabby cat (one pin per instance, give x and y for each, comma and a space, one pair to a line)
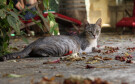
61, 44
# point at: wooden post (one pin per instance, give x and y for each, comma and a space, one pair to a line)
73, 8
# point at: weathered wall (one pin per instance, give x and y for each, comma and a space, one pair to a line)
99, 9
109, 10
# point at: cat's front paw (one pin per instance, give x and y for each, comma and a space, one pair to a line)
96, 50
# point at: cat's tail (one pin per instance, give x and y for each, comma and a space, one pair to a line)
16, 55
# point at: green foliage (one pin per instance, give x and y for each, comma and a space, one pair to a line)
51, 18
54, 4
53, 24
46, 4
8, 19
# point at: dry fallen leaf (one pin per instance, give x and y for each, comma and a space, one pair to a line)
97, 57
131, 49
74, 79
81, 80
14, 49
120, 58
92, 62
110, 50
52, 62
68, 63
12, 61
126, 58
107, 58
129, 61
59, 75
89, 67
46, 80
94, 59
98, 51
72, 58
84, 53
13, 75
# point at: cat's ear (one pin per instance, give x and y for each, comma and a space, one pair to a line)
99, 22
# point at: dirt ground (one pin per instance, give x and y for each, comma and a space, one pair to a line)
102, 64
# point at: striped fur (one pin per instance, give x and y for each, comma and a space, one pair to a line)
61, 44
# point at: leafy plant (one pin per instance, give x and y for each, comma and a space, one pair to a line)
46, 4
54, 30
8, 19
54, 4
51, 18
53, 24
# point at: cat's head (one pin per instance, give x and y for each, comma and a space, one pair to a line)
93, 30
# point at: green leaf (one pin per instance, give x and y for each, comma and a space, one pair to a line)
46, 4
52, 29
55, 32
13, 23
53, 26
10, 5
2, 14
14, 15
41, 16
5, 45
6, 37
53, 23
51, 16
